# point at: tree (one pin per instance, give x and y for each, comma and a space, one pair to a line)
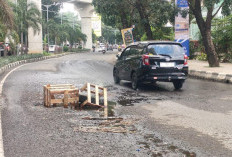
6, 16
6, 19
26, 15
143, 14
205, 24
222, 38
114, 13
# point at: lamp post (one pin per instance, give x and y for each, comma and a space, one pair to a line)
47, 7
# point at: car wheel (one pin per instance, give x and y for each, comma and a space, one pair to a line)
134, 82
178, 84
116, 78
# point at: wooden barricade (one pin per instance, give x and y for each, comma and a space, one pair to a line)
97, 91
68, 94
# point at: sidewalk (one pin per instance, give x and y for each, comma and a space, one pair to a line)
201, 69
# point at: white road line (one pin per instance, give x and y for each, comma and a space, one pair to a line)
1, 88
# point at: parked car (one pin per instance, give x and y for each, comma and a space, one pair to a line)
2, 48
150, 62
52, 48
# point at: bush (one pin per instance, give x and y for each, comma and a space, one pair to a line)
46, 53
202, 57
65, 48
77, 50
10, 59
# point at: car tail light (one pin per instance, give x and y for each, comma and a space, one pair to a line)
146, 60
185, 60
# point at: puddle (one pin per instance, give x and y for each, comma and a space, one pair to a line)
162, 148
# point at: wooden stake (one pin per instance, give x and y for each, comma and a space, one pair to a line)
97, 95
105, 103
89, 92
66, 99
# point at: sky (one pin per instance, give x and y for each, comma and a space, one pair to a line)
69, 7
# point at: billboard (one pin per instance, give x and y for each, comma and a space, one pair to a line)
97, 25
182, 26
127, 36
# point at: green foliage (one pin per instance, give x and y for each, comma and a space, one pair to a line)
46, 53
143, 14
202, 57
27, 15
61, 33
94, 37
3, 30
6, 16
79, 50
80, 47
222, 38
10, 59
65, 48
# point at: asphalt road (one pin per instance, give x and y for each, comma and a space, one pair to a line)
158, 121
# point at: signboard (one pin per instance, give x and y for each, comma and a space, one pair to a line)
127, 35
182, 26
96, 25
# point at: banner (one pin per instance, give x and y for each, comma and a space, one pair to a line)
182, 26
127, 36
97, 25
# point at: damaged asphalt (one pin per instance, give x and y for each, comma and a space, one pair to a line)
157, 120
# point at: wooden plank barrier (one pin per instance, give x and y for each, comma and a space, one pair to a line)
98, 92
61, 94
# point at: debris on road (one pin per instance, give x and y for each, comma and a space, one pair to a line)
109, 118
68, 94
61, 94
98, 91
116, 125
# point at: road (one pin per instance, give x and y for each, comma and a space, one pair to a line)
158, 121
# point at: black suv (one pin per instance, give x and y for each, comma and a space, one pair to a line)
152, 61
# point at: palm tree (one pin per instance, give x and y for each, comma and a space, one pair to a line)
26, 15
6, 16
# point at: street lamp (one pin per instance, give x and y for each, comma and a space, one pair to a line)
47, 7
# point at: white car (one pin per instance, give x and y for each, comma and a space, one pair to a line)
52, 48
102, 48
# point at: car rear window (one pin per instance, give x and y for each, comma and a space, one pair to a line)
172, 50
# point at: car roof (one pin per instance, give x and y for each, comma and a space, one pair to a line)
146, 43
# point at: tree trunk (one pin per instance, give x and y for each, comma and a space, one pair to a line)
22, 45
145, 19
210, 49
205, 29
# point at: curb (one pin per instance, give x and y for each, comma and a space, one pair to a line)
14, 64
218, 77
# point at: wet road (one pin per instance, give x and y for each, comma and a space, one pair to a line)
158, 121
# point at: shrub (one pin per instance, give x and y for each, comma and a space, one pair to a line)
202, 57
65, 49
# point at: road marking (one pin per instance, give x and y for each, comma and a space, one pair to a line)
1, 88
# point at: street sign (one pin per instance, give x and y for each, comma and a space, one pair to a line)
127, 35
182, 26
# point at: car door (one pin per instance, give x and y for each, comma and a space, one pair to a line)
119, 64
123, 64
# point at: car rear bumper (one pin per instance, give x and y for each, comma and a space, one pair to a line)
167, 78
